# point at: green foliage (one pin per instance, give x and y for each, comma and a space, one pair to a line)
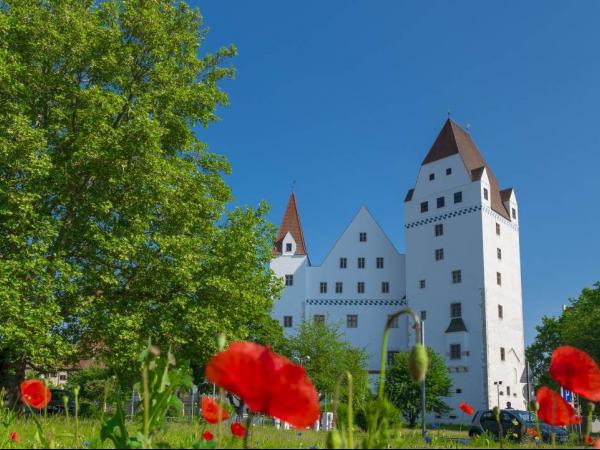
96, 388
113, 220
405, 394
576, 326
326, 356
161, 381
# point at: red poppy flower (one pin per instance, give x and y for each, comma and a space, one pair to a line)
576, 371
268, 383
14, 437
238, 429
35, 393
554, 410
212, 411
207, 436
532, 432
588, 439
597, 443
466, 408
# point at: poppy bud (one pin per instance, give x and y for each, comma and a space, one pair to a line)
334, 440
418, 362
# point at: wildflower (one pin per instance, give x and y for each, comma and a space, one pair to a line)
597, 443
207, 436
267, 382
427, 439
237, 429
554, 410
463, 441
531, 432
14, 437
588, 439
86, 444
466, 408
577, 371
35, 393
212, 411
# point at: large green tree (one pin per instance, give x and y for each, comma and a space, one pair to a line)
405, 394
576, 326
113, 219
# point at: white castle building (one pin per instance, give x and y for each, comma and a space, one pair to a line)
461, 273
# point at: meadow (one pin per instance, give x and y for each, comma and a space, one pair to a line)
61, 433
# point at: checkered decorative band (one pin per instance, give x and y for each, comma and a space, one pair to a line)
325, 302
460, 212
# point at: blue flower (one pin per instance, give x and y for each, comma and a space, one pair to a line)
86, 443
312, 447
463, 441
427, 439
435, 426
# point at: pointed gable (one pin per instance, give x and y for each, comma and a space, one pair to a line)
454, 140
291, 224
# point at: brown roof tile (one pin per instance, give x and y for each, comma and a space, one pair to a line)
452, 140
291, 223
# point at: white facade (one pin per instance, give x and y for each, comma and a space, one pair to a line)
461, 271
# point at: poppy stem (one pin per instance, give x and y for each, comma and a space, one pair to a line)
248, 428
391, 321
350, 412
146, 394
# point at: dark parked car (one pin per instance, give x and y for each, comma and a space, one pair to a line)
57, 404
515, 424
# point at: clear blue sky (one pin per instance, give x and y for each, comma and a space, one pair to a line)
346, 97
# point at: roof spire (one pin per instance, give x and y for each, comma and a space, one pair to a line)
291, 223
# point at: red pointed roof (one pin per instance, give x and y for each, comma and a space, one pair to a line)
452, 140
291, 223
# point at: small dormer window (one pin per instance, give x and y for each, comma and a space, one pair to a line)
485, 194
514, 213
362, 237
288, 247
449, 171
431, 176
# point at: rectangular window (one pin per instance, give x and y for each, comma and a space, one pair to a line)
343, 263
385, 287
456, 310
339, 287
360, 287
351, 321
497, 228
449, 171
502, 354
319, 318
439, 254
288, 247
289, 280
394, 323
456, 276
423, 315
499, 278
499, 253
361, 263
439, 229
458, 197
514, 213
508, 391
500, 312
441, 202
485, 193
391, 357
323, 287
421, 284
362, 237
287, 321
455, 352
424, 207
379, 262
431, 176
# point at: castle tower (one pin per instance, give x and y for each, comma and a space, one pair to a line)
463, 271
290, 262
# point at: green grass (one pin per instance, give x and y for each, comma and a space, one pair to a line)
181, 435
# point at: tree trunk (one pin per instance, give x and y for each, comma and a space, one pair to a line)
11, 376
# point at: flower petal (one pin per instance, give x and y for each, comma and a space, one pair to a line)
576, 371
